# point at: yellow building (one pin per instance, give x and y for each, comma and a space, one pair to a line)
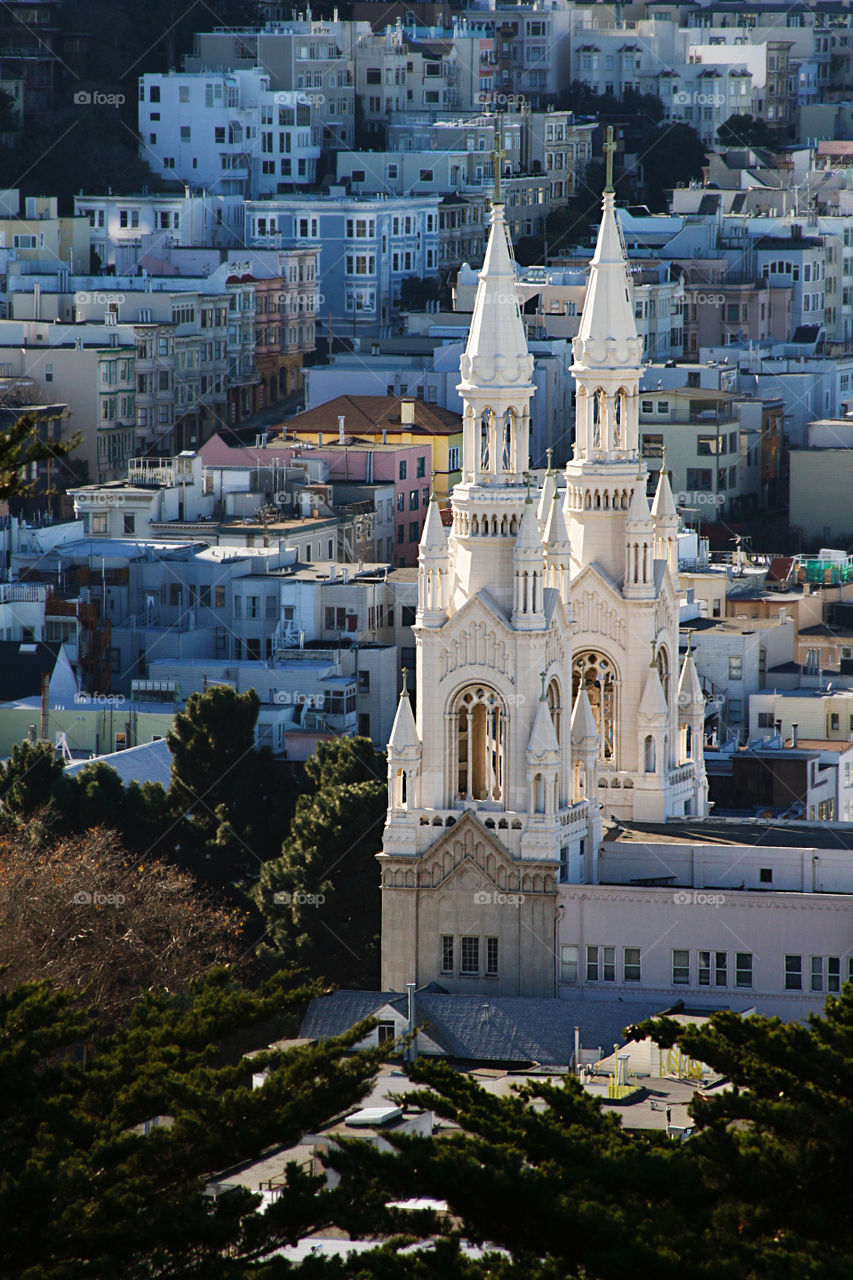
388, 420
40, 234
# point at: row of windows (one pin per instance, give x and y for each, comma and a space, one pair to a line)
824, 973
469, 953
415, 497
414, 532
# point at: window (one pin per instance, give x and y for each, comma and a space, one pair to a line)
470, 955
631, 966
765, 720
568, 964
385, 1033
765, 875
735, 667
793, 973
414, 500
609, 964
592, 964
833, 973
721, 969
271, 607
402, 470
491, 957
219, 598
401, 533
743, 969
129, 523
817, 973
421, 467
414, 531
454, 457
401, 501
447, 953
681, 967
704, 974
652, 446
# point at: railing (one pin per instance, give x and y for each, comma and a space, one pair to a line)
22, 593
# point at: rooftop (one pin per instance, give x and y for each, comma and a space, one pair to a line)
788, 835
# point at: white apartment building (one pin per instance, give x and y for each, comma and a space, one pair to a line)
124, 229
228, 132
317, 57
423, 71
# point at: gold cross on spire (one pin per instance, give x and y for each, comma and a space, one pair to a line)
498, 157
609, 149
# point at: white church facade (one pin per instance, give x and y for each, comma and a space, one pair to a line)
551, 696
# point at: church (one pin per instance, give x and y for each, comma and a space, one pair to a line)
551, 698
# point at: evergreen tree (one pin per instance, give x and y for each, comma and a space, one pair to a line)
759, 1191
320, 899
85, 1192
745, 131
31, 778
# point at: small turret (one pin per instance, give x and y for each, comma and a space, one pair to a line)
404, 756
528, 573
665, 519
639, 545
432, 568
543, 762
558, 550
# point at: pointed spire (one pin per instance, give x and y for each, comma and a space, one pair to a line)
607, 335
543, 737
404, 733
529, 538
555, 535
663, 507
584, 728
689, 689
546, 493
639, 514
653, 702
496, 353
433, 534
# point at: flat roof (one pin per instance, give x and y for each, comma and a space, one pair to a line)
737, 832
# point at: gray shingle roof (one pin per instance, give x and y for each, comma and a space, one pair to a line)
490, 1029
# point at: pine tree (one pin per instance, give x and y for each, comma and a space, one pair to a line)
320, 899
85, 1192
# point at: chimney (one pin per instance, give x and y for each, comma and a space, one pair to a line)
794, 734
407, 412
341, 422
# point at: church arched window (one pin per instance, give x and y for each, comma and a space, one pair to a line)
599, 409
619, 409
479, 754
508, 427
555, 706
486, 418
598, 676
663, 671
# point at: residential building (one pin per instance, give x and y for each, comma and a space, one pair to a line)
228, 131
298, 54
366, 247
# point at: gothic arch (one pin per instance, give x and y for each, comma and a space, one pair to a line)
599, 675
662, 663
554, 697
478, 748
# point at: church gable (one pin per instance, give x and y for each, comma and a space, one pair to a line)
476, 636
598, 607
469, 857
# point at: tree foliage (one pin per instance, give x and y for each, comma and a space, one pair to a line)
745, 131
231, 802
22, 444
87, 915
320, 899
85, 1193
759, 1191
